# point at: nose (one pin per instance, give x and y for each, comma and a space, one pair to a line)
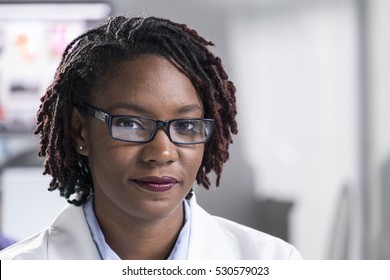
160, 150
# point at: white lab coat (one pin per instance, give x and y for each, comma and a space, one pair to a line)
69, 238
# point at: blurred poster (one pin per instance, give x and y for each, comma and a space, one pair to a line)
32, 40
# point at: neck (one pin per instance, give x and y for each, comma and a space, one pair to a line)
140, 239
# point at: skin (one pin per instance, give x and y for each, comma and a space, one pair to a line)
139, 223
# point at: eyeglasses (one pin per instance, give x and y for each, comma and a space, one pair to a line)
142, 129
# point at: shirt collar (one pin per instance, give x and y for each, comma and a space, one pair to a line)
179, 251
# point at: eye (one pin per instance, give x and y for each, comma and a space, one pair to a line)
186, 126
128, 123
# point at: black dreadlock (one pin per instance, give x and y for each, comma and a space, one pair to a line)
91, 55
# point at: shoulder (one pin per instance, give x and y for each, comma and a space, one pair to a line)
67, 238
32, 248
37, 246
225, 239
255, 244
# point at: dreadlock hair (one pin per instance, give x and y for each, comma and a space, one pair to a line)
93, 54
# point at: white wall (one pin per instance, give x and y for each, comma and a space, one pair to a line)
378, 131
296, 69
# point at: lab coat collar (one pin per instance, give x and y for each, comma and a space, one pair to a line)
70, 237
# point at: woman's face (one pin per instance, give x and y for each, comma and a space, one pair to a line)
149, 180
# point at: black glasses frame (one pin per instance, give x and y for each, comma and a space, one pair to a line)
107, 118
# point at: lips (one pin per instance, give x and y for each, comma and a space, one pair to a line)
156, 184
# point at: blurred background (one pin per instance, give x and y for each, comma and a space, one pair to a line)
311, 162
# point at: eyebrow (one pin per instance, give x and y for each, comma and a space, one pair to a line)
142, 110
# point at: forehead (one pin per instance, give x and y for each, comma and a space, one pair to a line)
148, 81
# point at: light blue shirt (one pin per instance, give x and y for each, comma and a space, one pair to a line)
179, 251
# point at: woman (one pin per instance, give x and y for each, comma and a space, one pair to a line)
138, 110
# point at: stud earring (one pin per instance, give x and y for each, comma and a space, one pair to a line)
81, 147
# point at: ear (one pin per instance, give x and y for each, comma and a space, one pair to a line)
79, 132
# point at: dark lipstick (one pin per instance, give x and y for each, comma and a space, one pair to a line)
156, 184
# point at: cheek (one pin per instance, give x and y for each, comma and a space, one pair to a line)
111, 170
108, 156
193, 159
